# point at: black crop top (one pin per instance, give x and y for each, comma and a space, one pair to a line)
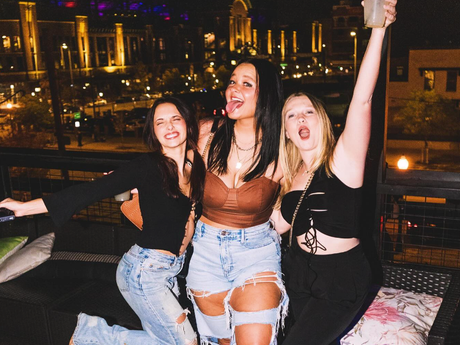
329, 206
164, 218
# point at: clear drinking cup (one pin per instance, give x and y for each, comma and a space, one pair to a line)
374, 13
123, 196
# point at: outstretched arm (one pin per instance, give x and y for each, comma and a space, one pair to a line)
27, 208
350, 153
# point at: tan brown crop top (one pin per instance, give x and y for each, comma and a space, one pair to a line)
248, 205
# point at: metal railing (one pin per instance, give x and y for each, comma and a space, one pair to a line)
418, 213
27, 174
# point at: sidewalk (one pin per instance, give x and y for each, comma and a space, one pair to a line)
111, 144
439, 160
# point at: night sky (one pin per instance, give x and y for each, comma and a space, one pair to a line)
419, 22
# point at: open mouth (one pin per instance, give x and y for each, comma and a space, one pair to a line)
304, 133
234, 104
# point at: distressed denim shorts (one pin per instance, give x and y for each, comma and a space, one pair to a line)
147, 280
223, 260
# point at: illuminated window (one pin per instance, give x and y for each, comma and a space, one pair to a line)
16, 43
161, 44
399, 70
451, 84
6, 43
428, 80
209, 40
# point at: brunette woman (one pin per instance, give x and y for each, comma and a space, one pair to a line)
170, 184
234, 277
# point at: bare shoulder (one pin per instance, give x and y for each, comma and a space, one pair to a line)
276, 175
205, 126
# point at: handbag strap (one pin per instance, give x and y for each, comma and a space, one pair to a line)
298, 206
215, 124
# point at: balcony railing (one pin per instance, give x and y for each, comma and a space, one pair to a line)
419, 217
27, 174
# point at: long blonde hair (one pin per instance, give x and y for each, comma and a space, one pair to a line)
289, 155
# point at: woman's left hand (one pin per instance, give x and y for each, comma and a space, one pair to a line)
390, 12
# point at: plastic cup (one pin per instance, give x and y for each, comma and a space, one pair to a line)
123, 196
374, 13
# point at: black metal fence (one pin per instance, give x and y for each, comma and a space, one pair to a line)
27, 174
419, 217
417, 213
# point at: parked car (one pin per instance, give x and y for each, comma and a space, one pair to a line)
134, 125
138, 113
124, 99
99, 101
144, 97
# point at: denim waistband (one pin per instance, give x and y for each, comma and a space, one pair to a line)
141, 253
240, 235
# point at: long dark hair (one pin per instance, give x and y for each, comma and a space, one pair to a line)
168, 166
268, 121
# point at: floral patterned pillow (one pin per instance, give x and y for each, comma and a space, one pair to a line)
395, 317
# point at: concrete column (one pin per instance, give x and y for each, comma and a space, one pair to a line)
149, 44
313, 37
241, 31
109, 56
81, 24
294, 42
254, 37
283, 46
119, 45
28, 20
96, 52
128, 49
231, 33
269, 42
320, 37
247, 34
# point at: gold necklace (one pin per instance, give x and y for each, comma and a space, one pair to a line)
240, 162
241, 149
305, 171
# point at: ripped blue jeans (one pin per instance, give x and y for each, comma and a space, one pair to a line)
147, 280
223, 260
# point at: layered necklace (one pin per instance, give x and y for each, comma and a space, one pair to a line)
240, 162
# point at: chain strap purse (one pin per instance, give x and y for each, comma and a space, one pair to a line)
302, 196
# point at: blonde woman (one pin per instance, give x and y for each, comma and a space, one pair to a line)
327, 274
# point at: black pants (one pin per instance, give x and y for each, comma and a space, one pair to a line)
325, 292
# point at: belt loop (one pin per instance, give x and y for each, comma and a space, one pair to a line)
242, 236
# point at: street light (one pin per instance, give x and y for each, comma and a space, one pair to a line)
355, 36
403, 163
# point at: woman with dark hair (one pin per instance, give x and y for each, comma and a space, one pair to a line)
327, 273
234, 278
170, 184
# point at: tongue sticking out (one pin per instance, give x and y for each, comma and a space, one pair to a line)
232, 105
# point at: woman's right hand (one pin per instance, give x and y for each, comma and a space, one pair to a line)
12, 205
27, 208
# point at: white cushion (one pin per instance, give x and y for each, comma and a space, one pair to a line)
27, 258
10, 245
396, 317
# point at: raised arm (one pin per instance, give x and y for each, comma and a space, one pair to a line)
350, 153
